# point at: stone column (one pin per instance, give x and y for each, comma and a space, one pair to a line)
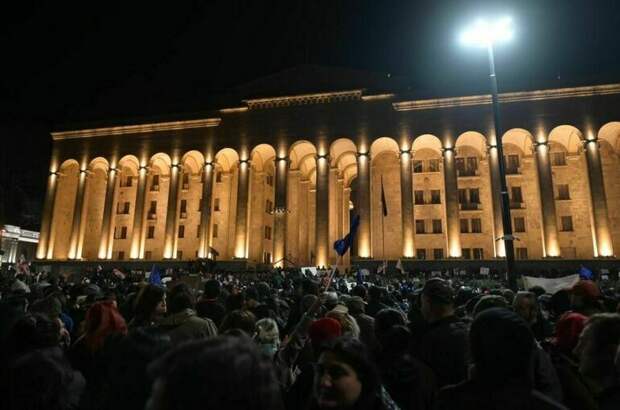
137, 233
406, 199
551, 247
322, 211
77, 216
280, 211
208, 175
364, 232
46, 216
107, 227
172, 217
496, 200
600, 217
452, 203
241, 222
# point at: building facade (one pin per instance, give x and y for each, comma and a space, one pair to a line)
277, 180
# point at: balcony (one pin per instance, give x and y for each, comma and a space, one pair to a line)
183, 215
185, 186
152, 216
513, 171
154, 188
467, 173
517, 205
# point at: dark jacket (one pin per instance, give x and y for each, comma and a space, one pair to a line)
444, 346
185, 325
575, 392
211, 309
367, 330
475, 395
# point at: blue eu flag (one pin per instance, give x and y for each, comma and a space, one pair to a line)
342, 245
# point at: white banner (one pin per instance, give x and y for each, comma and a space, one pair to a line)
551, 285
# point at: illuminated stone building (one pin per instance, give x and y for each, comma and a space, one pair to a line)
274, 179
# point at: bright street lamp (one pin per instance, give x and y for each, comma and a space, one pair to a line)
484, 33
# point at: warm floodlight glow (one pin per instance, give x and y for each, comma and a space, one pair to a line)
484, 33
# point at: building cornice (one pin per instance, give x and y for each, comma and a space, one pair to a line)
136, 129
538, 95
304, 99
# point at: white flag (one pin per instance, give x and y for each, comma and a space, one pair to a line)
382, 268
399, 266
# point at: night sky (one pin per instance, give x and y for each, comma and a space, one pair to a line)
68, 64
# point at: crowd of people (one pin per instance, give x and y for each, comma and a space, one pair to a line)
287, 340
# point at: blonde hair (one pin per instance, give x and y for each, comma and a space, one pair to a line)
347, 322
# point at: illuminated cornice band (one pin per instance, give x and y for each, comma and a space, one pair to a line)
319, 98
136, 129
538, 95
375, 97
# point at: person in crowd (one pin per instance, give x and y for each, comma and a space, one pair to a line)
150, 306
585, 298
224, 372
209, 306
240, 319
182, 323
366, 323
347, 322
525, 304
346, 378
268, 336
488, 302
442, 341
502, 345
596, 349
375, 300
127, 360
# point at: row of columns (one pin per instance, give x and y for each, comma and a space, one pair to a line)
600, 220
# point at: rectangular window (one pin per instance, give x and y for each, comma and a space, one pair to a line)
433, 165
563, 192
126, 181
511, 163
418, 166
419, 226
121, 255
186, 181
435, 196
420, 254
269, 180
148, 255
463, 196
218, 176
266, 257
436, 225
179, 254
518, 224
150, 233
200, 205
183, 208
438, 253
472, 166
126, 208
474, 195
268, 232
516, 195
155, 183
119, 208
478, 253
558, 158
476, 225
215, 230
521, 253
460, 166
567, 223
466, 252
152, 210
124, 232
418, 197
464, 226
197, 231
268, 206
181, 231
216, 204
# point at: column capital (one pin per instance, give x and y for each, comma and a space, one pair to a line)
322, 156
594, 140
284, 158
209, 164
490, 147
363, 154
245, 161
402, 152
447, 149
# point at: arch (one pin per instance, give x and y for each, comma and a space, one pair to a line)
349, 173
383, 144
67, 164
610, 133
567, 136
162, 162
261, 155
299, 150
520, 138
427, 141
99, 163
340, 148
474, 140
227, 158
193, 161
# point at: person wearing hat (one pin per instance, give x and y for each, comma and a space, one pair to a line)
585, 298
347, 322
441, 342
366, 323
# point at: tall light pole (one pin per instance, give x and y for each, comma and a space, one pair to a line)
484, 34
